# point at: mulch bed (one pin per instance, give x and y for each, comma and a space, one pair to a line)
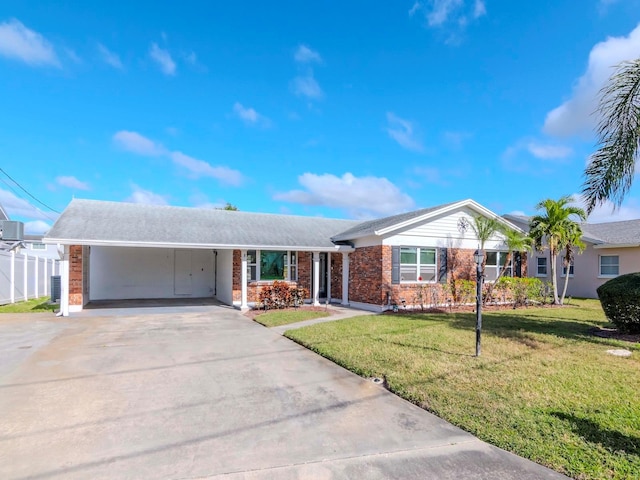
616, 335
259, 311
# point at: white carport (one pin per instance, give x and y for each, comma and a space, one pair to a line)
119, 251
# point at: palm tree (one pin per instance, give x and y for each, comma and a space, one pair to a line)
485, 228
515, 242
554, 227
571, 242
610, 172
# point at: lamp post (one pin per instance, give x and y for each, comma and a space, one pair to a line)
478, 256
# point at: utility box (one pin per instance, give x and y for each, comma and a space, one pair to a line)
56, 288
11, 231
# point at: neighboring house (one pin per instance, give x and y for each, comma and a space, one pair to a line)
26, 264
611, 249
133, 251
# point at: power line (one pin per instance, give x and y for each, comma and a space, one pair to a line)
17, 194
27, 192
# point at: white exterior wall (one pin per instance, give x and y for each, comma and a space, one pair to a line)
586, 278
224, 291
442, 231
130, 272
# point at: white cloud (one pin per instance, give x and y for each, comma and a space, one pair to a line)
249, 116
449, 13
141, 145
607, 211
72, 182
135, 143
360, 196
304, 54
109, 57
200, 168
456, 139
576, 115
549, 152
17, 207
21, 43
36, 227
163, 59
402, 131
140, 195
307, 86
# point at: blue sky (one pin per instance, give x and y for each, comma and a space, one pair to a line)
352, 109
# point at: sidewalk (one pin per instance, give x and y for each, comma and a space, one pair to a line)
337, 313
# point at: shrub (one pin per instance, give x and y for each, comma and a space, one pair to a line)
620, 300
281, 295
521, 290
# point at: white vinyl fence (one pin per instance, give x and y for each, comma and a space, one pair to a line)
23, 277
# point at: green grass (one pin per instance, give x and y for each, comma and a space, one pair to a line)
544, 388
33, 305
275, 318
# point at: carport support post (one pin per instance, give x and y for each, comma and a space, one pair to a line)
345, 278
243, 280
316, 279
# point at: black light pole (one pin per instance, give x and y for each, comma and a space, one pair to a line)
478, 257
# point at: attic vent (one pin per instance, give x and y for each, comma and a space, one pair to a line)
11, 231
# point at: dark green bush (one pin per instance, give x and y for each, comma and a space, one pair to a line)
620, 300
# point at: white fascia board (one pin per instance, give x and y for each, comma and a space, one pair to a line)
463, 203
202, 246
616, 245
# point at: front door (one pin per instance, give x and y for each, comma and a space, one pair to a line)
182, 272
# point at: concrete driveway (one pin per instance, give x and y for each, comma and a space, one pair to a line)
203, 392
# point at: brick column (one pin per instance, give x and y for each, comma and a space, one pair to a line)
75, 278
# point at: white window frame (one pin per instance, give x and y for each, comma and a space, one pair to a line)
608, 275
546, 267
290, 262
498, 268
563, 269
418, 265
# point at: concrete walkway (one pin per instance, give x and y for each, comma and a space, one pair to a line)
211, 394
337, 313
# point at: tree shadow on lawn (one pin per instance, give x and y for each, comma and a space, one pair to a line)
520, 327
612, 440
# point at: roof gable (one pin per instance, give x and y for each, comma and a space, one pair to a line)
394, 223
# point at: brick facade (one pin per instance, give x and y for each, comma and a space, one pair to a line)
366, 274
75, 275
254, 288
335, 264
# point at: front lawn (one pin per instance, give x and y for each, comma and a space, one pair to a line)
34, 305
274, 318
544, 387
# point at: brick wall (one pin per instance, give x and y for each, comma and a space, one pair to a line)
366, 275
254, 288
75, 275
336, 275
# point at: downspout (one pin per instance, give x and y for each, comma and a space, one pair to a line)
215, 273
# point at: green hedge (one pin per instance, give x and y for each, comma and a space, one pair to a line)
620, 300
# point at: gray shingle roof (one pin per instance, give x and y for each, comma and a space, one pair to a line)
626, 232
614, 233
91, 220
369, 228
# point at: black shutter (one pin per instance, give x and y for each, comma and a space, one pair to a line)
442, 265
395, 264
518, 264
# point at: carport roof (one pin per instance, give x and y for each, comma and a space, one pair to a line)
92, 222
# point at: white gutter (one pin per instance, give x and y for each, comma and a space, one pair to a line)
203, 246
615, 245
